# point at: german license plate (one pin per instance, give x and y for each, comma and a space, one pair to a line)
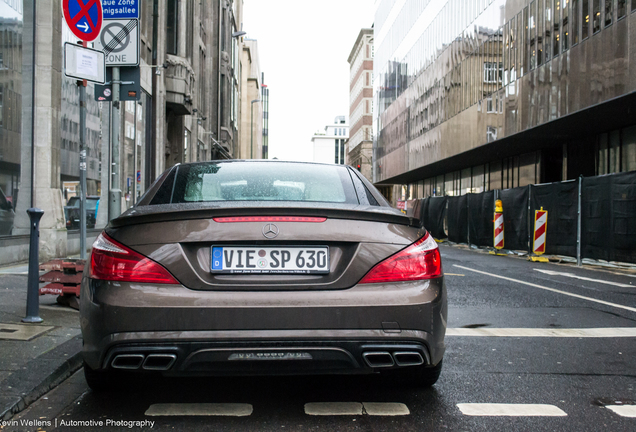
257, 259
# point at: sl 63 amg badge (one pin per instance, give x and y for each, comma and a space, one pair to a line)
270, 356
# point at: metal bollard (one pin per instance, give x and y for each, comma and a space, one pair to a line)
33, 285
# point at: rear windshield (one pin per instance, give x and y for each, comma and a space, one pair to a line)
256, 181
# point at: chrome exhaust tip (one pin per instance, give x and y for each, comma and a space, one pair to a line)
408, 358
127, 361
159, 361
378, 359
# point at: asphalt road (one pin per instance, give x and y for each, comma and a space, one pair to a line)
561, 348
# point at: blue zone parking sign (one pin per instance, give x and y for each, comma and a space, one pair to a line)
120, 9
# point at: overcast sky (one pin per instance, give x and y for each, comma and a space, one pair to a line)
303, 49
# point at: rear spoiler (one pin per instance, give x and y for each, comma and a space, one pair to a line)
172, 212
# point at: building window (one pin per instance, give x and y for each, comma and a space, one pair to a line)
493, 72
172, 27
585, 19
575, 22
621, 9
565, 32
342, 152
556, 35
596, 16
491, 134
609, 11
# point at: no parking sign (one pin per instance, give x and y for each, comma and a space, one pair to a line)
84, 18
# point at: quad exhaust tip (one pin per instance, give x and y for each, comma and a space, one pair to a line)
157, 362
378, 359
408, 358
127, 361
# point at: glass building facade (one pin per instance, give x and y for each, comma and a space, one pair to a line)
474, 95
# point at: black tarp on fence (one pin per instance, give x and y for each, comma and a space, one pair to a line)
608, 217
481, 208
608, 213
458, 219
434, 210
561, 202
515, 211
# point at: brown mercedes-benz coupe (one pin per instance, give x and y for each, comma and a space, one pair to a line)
263, 267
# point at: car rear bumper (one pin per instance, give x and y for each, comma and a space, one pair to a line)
184, 332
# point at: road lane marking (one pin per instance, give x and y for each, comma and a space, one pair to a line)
333, 408
356, 408
512, 410
623, 410
385, 408
545, 332
200, 409
550, 289
572, 275
453, 274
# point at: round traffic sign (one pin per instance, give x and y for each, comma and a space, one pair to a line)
111, 31
84, 18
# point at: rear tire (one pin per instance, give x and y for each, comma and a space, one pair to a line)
100, 380
416, 376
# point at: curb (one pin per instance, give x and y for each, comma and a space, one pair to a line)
39, 376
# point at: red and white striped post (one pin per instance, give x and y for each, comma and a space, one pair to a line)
499, 225
540, 230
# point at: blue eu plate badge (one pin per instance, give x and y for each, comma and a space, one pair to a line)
217, 256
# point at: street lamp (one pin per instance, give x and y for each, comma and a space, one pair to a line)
252, 128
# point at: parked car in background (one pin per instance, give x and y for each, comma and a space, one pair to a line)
263, 268
72, 212
7, 215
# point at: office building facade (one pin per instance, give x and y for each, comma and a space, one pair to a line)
475, 95
329, 146
360, 144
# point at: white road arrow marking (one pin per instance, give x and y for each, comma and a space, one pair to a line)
84, 27
572, 275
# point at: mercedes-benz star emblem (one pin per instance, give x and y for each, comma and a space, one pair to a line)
270, 231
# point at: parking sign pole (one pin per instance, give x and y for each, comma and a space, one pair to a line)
114, 208
82, 165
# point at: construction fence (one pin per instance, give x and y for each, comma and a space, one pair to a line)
592, 217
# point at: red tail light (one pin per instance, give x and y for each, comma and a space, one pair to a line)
113, 261
421, 260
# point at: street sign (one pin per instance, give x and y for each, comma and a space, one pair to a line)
84, 63
127, 91
84, 18
119, 39
120, 9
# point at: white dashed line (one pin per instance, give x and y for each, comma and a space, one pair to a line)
200, 409
545, 332
333, 408
623, 410
511, 410
549, 289
356, 408
385, 408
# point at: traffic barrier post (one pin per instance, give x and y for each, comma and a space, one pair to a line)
540, 235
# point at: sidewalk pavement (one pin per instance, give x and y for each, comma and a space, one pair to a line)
34, 358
